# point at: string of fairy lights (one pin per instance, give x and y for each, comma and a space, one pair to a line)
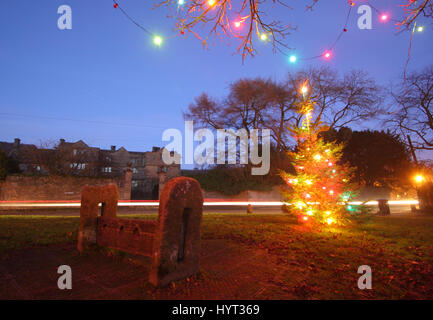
292, 57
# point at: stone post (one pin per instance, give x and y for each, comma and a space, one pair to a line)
125, 185
383, 207
249, 208
91, 197
176, 248
162, 179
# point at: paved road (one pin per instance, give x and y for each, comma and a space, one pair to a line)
395, 210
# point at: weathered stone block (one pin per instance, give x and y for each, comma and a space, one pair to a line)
91, 197
177, 239
173, 241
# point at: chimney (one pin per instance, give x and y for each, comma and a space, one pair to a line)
17, 143
113, 148
155, 149
62, 141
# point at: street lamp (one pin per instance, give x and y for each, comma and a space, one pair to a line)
419, 178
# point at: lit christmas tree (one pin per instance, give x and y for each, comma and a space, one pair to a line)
320, 189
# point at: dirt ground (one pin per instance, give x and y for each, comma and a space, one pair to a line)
228, 272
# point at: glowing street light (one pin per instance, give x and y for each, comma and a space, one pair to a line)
420, 29
292, 58
237, 24
211, 2
181, 2
419, 178
263, 37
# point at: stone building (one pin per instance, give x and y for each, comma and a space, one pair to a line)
149, 172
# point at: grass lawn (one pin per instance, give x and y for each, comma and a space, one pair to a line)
304, 263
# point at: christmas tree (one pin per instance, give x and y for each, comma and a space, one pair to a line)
320, 189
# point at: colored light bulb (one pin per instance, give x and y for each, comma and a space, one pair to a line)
157, 40
384, 17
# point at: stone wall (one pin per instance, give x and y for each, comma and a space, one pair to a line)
27, 188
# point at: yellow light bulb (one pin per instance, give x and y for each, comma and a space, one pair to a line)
157, 40
308, 181
304, 90
328, 213
330, 221
211, 2
310, 212
419, 178
317, 157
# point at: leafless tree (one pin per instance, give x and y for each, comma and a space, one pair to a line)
413, 9
340, 101
414, 113
207, 18
251, 104
260, 103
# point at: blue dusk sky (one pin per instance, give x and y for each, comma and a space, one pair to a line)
106, 83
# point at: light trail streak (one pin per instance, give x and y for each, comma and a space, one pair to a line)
155, 203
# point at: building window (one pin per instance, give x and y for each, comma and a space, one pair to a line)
134, 183
106, 169
78, 152
134, 170
79, 166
